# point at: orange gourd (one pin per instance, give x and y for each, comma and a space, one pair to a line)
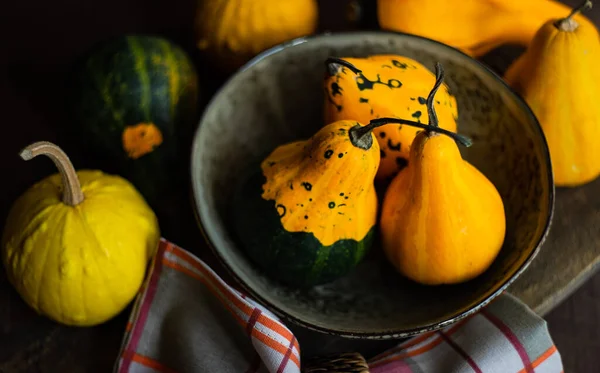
559, 78
474, 26
231, 32
385, 86
307, 214
442, 220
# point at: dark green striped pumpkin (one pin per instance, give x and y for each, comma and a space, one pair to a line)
134, 102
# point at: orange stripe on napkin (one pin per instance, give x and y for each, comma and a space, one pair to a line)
275, 345
543, 357
150, 363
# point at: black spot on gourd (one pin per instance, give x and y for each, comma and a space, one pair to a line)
422, 101
340, 155
306, 185
382, 135
340, 205
363, 83
331, 205
328, 153
271, 164
336, 89
417, 114
381, 154
400, 65
392, 146
412, 98
341, 194
305, 216
310, 200
363, 100
281, 210
401, 163
346, 197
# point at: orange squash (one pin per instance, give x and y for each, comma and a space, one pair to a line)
558, 76
442, 220
385, 86
307, 214
231, 32
473, 26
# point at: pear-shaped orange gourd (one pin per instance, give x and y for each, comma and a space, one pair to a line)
559, 78
442, 220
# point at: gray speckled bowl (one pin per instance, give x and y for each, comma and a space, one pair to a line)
278, 98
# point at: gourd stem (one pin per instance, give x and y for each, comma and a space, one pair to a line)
360, 136
461, 139
332, 61
72, 194
568, 24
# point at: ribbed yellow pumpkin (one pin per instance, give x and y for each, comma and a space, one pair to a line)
78, 259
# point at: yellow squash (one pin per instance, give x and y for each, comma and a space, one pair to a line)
231, 32
385, 86
76, 244
474, 26
559, 78
442, 220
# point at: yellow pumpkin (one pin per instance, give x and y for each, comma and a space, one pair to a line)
559, 78
385, 86
442, 220
76, 244
231, 32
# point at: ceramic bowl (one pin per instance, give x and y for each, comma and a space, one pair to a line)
278, 98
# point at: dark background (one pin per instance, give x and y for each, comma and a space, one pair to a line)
39, 41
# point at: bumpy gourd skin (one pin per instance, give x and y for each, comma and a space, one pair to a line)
559, 77
234, 31
390, 86
474, 26
79, 265
442, 221
308, 216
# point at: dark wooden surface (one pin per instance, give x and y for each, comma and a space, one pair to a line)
39, 40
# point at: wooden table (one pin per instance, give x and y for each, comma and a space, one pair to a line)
40, 41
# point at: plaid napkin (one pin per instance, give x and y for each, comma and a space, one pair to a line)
186, 319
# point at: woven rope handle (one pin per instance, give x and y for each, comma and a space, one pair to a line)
350, 362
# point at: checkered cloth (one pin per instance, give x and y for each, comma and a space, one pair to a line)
186, 319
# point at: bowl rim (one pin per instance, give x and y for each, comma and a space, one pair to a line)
392, 333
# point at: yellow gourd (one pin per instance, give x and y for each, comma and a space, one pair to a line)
385, 86
474, 26
76, 244
231, 32
558, 76
442, 220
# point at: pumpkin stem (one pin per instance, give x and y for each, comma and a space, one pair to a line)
72, 194
439, 79
332, 65
360, 136
568, 24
